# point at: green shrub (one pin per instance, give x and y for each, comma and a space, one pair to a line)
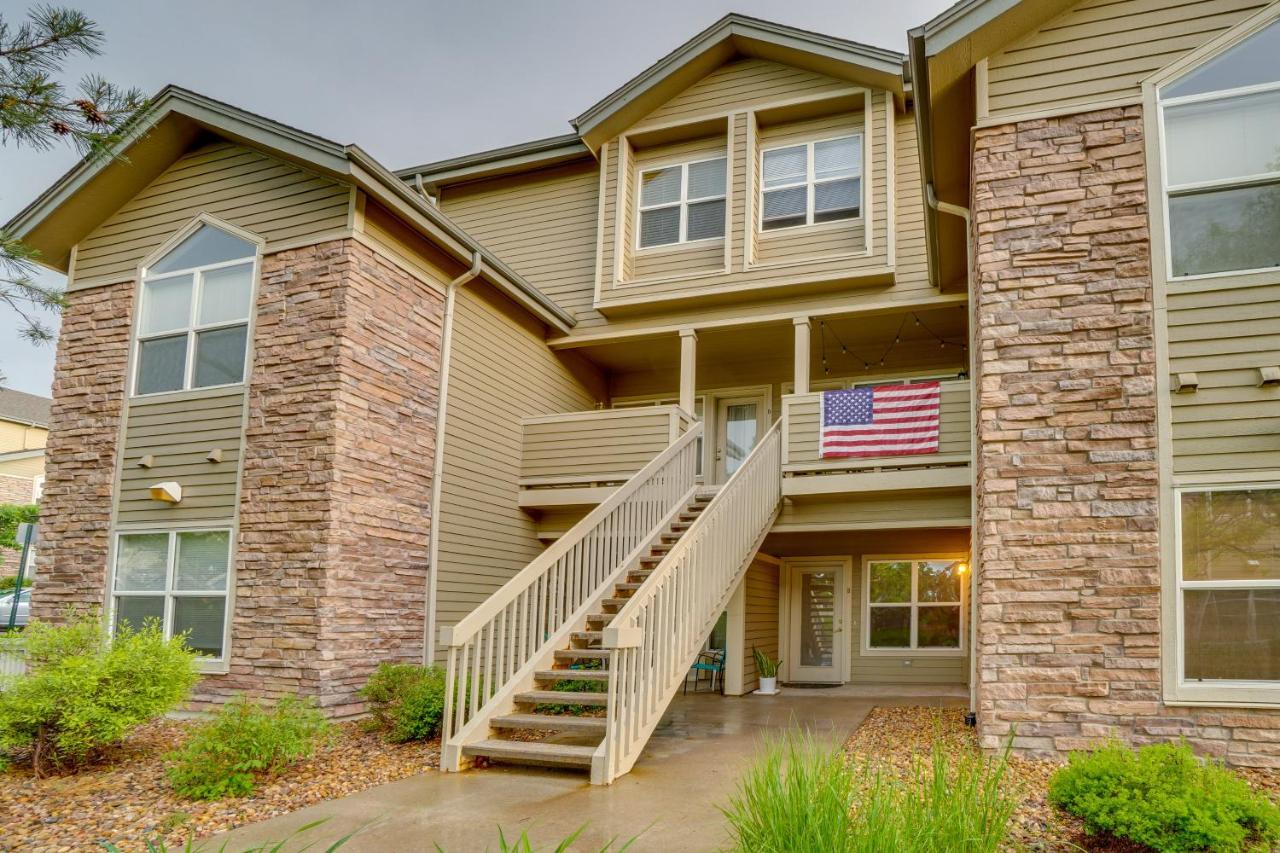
1165, 797
82, 692
244, 741
8, 582
801, 795
406, 701
11, 515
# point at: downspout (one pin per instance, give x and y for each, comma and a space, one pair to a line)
964, 213
437, 471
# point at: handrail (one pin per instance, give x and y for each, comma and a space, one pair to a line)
657, 634
517, 624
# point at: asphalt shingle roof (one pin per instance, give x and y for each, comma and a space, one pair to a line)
23, 407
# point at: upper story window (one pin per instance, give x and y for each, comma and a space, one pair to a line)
682, 203
1221, 125
810, 183
193, 324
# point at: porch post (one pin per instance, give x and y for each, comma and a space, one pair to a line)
802, 355
688, 368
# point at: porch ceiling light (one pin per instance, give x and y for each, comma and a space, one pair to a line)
961, 568
167, 492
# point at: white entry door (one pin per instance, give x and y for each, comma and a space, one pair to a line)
817, 643
739, 425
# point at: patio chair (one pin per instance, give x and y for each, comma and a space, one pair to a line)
712, 661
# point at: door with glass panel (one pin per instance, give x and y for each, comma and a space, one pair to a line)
815, 649
739, 425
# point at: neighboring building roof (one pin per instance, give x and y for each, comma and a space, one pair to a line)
730, 36
62, 215
21, 407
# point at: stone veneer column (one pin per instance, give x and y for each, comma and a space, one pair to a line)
80, 458
335, 498
1069, 603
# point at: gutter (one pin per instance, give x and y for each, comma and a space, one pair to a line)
437, 469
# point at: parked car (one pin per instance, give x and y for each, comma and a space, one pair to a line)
24, 609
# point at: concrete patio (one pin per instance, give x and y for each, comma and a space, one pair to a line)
671, 799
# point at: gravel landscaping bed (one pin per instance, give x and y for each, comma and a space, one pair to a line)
890, 736
125, 797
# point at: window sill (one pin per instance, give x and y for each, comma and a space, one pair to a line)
667, 248
814, 228
1223, 696
912, 653
191, 393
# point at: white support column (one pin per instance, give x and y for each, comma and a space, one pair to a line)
802, 355
688, 368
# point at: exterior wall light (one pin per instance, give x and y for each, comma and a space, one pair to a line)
167, 492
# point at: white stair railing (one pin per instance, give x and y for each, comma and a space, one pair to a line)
658, 634
502, 642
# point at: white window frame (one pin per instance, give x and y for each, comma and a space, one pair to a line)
170, 594
192, 328
1172, 190
683, 202
811, 182
1252, 692
913, 650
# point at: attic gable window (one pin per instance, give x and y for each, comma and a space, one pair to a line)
1221, 129
193, 323
813, 182
682, 203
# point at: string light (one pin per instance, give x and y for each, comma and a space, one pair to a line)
884, 356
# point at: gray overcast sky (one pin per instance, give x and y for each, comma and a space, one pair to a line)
410, 82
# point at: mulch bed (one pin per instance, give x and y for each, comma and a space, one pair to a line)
891, 736
125, 798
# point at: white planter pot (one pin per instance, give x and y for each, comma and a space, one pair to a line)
769, 686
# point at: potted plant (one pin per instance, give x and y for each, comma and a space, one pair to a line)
767, 669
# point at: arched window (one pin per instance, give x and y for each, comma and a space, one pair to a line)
193, 323
1221, 135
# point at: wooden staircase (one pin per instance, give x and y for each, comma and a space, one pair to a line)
564, 728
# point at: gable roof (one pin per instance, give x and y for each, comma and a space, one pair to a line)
23, 408
733, 35
66, 212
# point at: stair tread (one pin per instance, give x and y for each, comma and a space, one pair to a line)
536, 751
561, 697
577, 654
549, 722
572, 675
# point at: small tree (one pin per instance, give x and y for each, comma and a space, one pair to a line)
83, 691
38, 111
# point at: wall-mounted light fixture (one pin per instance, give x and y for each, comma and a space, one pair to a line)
167, 492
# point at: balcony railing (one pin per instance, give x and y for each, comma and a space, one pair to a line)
801, 454
601, 447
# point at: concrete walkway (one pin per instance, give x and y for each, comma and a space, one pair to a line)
670, 799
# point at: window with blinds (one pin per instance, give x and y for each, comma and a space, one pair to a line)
682, 203
810, 183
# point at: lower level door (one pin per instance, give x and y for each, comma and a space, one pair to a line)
816, 647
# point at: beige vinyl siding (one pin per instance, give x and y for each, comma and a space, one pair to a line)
937, 507
405, 246
741, 205
31, 466
501, 372
179, 432
1223, 333
741, 84
18, 436
788, 245
760, 625
594, 446
911, 262
804, 412
271, 198
1101, 50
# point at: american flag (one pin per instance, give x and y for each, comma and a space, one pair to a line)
884, 420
